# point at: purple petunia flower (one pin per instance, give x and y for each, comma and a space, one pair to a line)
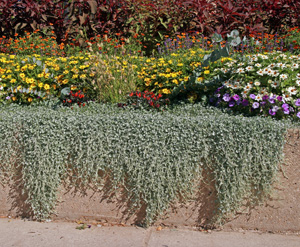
231, 103
285, 106
252, 96
298, 114
272, 99
236, 97
263, 103
7, 98
297, 102
255, 105
226, 97
286, 111
275, 108
265, 97
271, 112
245, 102
279, 98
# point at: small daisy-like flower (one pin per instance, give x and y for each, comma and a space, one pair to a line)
298, 82
281, 65
292, 90
275, 73
275, 84
272, 65
240, 70
257, 83
262, 90
260, 72
258, 97
258, 65
283, 76
298, 76
266, 71
295, 66
248, 87
270, 81
286, 97
249, 68
240, 64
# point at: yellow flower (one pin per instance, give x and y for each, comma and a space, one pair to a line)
65, 81
29, 99
73, 87
206, 72
40, 84
165, 91
22, 75
14, 98
92, 74
74, 76
175, 81
180, 64
83, 76
66, 72
46, 86
200, 79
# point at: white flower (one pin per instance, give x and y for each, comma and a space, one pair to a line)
286, 97
295, 66
281, 65
292, 90
270, 81
248, 87
263, 90
257, 83
267, 71
275, 84
260, 72
258, 97
270, 72
272, 65
298, 76
249, 68
240, 70
240, 64
283, 76
298, 82
1, 87
275, 73
258, 65
224, 70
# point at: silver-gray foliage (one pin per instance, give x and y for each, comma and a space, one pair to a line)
153, 158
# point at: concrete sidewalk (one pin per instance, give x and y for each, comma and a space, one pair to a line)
17, 232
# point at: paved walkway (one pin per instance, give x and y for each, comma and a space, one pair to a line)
16, 232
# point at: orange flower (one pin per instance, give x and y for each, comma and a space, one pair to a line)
16, 34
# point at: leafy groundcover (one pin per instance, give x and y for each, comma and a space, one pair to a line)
153, 158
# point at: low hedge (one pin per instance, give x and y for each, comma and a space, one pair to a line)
153, 158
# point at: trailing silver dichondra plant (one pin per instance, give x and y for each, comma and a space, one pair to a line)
152, 159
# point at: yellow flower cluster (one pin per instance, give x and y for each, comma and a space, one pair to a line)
162, 75
25, 79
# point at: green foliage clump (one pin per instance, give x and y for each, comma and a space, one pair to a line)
152, 158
